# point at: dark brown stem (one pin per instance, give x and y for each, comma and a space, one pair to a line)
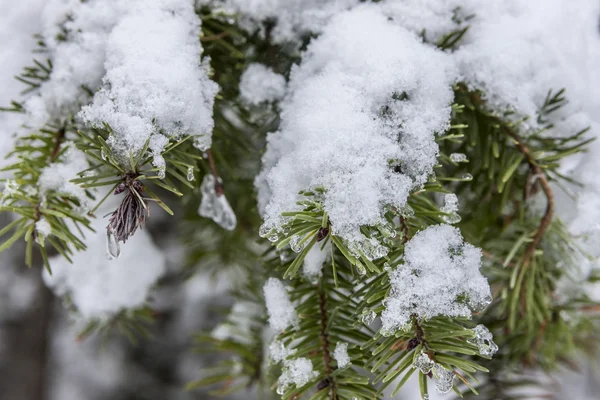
543, 180
405, 232
214, 37
213, 170
58, 139
325, 343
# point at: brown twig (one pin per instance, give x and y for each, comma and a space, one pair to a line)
543, 180
58, 139
213, 170
214, 37
325, 344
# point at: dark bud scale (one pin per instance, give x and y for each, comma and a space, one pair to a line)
322, 234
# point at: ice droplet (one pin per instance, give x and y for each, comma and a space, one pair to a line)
458, 157
280, 390
273, 238
264, 231
214, 206
423, 363
444, 379
368, 316
425, 396
451, 208
162, 172
190, 174
295, 244
467, 177
483, 340
361, 270
113, 250
103, 154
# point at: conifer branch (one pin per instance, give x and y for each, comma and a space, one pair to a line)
329, 380
548, 214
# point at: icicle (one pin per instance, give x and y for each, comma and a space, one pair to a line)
113, 250
190, 174
295, 244
214, 206
483, 340
444, 379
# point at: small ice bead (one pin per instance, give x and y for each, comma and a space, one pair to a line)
103, 154
264, 231
162, 172
453, 218
423, 363
113, 250
368, 316
425, 396
190, 174
340, 354
295, 244
273, 238
214, 206
458, 157
443, 379
467, 177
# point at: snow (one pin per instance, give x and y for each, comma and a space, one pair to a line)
293, 18
244, 316
439, 269
215, 206
43, 228
313, 262
100, 288
359, 100
260, 83
279, 352
298, 371
57, 175
282, 313
154, 83
340, 354
77, 61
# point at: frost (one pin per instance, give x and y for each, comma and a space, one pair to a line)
423, 363
359, 100
313, 262
260, 84
154, 81
443, 379
440, 276
484, 341
340, 354
298, 372
282, 313
215, 205
100, 288
293, 18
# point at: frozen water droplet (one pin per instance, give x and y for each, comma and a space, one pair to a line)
467, 177
280, 390
407, 212
423, 363
453, 218
295, 244
162, 172
484, 341
273, 238
425, 396
386, 266
368, 316
190, 174
113, 249
361, 270
214, 206
443, 379
264, 231
458, 157
103, 154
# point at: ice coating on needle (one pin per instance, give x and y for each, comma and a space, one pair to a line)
340, 354
215, 205
440, 276
360, 101
298, 372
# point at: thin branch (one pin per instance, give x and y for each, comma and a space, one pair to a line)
213, 170
543, 180
214, 37
329, 380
